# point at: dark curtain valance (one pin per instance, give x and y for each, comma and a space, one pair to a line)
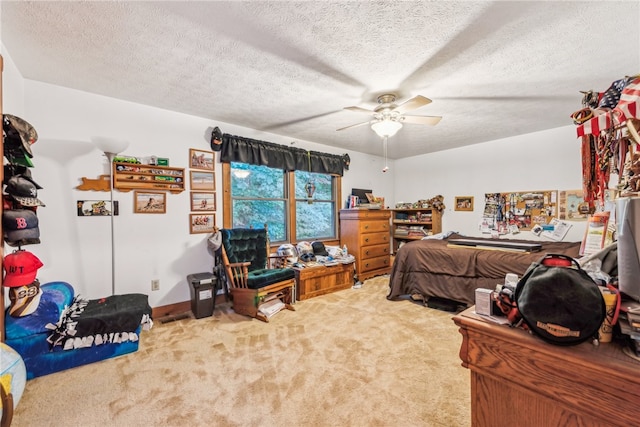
255, 152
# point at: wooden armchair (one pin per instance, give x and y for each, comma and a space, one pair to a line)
250, 277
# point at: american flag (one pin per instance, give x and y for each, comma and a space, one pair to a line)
612, 95
626, 107
595, 125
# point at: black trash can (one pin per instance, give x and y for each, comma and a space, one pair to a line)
203, 293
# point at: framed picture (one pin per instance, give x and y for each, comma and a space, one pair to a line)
464, 203
203, 181
200, 159
149, 202
202, 223
96, 208
203, 201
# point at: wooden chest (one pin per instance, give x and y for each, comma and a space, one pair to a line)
367, 236
315, 281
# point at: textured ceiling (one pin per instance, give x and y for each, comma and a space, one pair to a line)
493, 69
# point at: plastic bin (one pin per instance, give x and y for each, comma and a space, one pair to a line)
203, 293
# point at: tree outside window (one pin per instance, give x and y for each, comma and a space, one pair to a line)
261, 195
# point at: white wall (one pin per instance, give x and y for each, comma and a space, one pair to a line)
12, 86
546, 160
76, 249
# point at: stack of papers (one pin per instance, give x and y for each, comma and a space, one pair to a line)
270, 308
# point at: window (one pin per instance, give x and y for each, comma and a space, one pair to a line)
259, 195
315, 216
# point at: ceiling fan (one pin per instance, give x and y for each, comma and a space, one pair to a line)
388, 117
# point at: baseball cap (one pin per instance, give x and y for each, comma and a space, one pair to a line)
319, 249
21, 159
20, 227
11, 170
19, 134
25, 299
21, 268
23, 190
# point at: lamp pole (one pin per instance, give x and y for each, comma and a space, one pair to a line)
111, 147
110, 157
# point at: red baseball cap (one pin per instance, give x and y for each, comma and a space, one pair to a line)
21, 268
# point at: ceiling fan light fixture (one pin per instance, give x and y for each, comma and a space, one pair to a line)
386, 127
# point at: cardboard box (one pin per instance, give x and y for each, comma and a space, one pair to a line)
484, 305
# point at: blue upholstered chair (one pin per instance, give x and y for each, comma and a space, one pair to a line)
255, 277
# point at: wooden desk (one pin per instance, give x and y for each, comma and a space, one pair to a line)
315, 281
518, 380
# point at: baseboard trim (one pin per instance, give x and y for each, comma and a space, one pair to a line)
178, 308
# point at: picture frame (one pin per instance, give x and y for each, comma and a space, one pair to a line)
202, 181
96, 208
149, 202
463, 203
201, 159
203, 201
202, 223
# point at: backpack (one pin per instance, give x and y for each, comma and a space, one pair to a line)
559, 301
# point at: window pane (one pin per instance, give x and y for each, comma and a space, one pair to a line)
322, 182
257, 213
260, 182
314, 220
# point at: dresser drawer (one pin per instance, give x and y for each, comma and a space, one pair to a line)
374, 226
375, 263
373, 239
367, 252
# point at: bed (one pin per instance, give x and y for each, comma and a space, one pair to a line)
437, 268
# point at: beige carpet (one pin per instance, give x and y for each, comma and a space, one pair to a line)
351, 358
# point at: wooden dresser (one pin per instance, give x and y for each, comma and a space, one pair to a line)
367, 236
519, 380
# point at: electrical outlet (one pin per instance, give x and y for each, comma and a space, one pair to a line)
155, 285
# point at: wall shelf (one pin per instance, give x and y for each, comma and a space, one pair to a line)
134, 176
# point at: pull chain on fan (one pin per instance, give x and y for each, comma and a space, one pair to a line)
384, 148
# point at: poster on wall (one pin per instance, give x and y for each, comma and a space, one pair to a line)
96, 207
572, 205
506, 212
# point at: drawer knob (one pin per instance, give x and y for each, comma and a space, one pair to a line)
366, 227
366, 240
366, 252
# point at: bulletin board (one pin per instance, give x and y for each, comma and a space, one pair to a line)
519, 211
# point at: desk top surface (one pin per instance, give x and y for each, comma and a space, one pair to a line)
610, 354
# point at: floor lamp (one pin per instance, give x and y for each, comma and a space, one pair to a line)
111, 147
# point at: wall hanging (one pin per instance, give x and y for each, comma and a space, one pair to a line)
202, 223
202, 181
200, 159
203, 201
149, 202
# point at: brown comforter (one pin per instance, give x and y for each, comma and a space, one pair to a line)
430, 268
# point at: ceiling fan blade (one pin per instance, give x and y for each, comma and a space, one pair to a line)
422, 120
356, 125
412, 104
359, 110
